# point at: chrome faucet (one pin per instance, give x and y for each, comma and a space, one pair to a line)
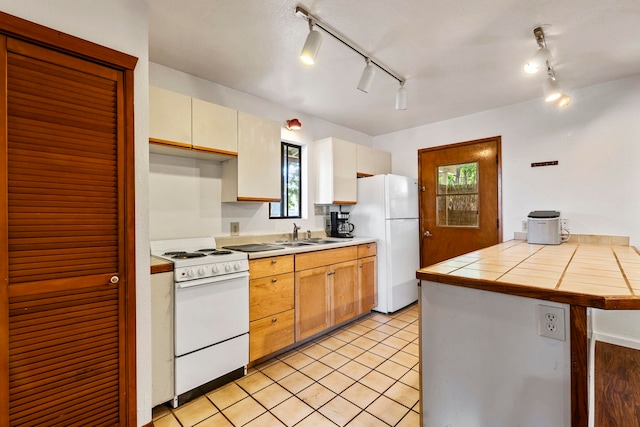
295, 231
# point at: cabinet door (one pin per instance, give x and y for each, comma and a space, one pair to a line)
345, 187
344, 295
372, 162
270, 334
270, 295
258, 160
271, 266
214, 127
312, 302
335, 162
382, 162
169, 117
367, 298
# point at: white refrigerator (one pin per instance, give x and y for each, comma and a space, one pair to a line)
387, 210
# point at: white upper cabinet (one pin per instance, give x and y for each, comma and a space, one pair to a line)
169, 117
372, 162
254, 176
214, 127
335, 161
198, 127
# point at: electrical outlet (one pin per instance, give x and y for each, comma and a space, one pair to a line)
235, 228
551, 322
525, 225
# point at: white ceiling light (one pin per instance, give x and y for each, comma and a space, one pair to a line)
541, 56
368, 73
401, 97
564, 100
540, 59
366, 79
311, 46
551, 90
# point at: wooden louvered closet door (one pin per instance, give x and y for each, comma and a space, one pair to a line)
65, 226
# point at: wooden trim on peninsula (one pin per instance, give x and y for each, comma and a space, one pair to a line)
579, 366
595, 301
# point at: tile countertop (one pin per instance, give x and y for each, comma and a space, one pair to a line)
339, 243
590, 275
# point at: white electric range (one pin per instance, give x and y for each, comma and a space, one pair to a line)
211, 312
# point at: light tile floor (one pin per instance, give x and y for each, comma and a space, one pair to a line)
365, 373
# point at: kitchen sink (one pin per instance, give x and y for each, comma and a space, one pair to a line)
294, 244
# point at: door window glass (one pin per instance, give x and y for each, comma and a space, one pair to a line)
457, 196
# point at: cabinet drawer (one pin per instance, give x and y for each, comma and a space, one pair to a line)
366, 249
270, 334
270, 295
315, 259
270, 266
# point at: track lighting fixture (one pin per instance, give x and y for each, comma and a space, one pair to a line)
541, 56
366, 79
312, 46
542, 59
401, 98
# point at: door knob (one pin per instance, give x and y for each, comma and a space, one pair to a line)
428, 234
114, 279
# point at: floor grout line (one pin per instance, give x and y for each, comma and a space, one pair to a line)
339, 341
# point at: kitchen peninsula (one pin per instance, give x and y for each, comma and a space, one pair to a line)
486, 363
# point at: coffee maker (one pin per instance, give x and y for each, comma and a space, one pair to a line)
340, 225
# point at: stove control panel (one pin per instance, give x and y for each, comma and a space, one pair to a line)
210, 270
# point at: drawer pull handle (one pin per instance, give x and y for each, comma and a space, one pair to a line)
368, 245
274, 280
331, 272
274, 320
273, 261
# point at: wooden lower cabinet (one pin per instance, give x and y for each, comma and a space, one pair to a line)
312, 302
344, 291
326, 289
367, 289
270, 334
271, 305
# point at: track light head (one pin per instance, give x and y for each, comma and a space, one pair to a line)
541, 56
551, 89
564, 100
401, 97
311, 46
538, 60
366, 79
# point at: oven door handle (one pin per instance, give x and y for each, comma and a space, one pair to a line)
212, 280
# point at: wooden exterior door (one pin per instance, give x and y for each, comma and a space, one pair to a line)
67, 296
460, 200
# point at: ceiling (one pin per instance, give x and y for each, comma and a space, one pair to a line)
458, 56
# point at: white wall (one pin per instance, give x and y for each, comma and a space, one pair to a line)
120, 25
185, 193
486, 365
596, 141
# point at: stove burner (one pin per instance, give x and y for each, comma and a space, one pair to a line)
186, 255
217, 252
206, 250
174, 253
